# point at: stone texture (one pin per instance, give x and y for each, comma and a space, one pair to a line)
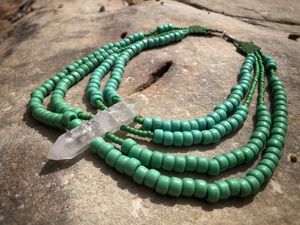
191, 77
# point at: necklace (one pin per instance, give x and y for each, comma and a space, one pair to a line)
143, 164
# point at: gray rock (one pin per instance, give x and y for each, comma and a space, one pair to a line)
183, 81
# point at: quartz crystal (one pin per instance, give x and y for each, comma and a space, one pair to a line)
75, 141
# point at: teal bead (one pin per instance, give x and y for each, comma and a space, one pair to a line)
202, 164
213, 193
135, 151
151, 178
216, 117
223, 162
265, 171
188, 187
221, 129
257, 174
126, 145
213, 167
95, 143
234, 186
162, 185
254, 183
239, 154
140, 174
209, 122
120, 164
158, 136
248, 153
191, 163
271, 156
157, 160
74, 123
175, 187
168, 162
224, 189
157, 123
194, 125
232, 160
178, 138
176, 125
185, 126
103, 149
68, 116
145, 156
234, 123
275, 143
273, 150
222, 114
245, 188
216, 136
180, 164
227, 126
238, 118
197, 136
131, 165
187, 138
167, 126
112, 157
201, 123
200, 189
207, 137
168, 138
269, 163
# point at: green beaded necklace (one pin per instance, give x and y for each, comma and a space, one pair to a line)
143, 164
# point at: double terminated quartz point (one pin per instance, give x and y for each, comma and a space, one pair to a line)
77, 140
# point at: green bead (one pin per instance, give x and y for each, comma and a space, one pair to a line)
178, 138
112, 157
273, 150
162, 185
257, 174
135, 151
194, 125
147, 124
216, 136
167, 126
140, 174
265, 171
157, 160
232, 161
227, 126
245, 188
269, 163
158, 136
191, 163
95, 143
271, 156
180, 164
254, 183
145, 157
224, 189
213, 193
187, 138
119, 166
201, 123
157, 123
206, 137
234, 186
213, 167
200, 188
168, 162
175, 125
131, 165
188, 187
202, 164
103, 149
221, 129
168, 138
239, 154
197, 136
126, 145
151, 178
223, 162
185, 126
234, 123
275, 143
248, 153
209, 122
175, 187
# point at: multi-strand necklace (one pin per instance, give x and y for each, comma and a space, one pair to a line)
145, 166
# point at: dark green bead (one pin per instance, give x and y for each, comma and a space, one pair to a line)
176, 125
265, 171
267, 162
166, 126
274, 142
151, 178
257, 174
273, 150
175, 187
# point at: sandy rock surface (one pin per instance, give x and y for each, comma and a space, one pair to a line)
192, 76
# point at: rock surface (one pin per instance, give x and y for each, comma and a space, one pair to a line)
191, 77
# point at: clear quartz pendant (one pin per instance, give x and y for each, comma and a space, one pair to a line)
76, 141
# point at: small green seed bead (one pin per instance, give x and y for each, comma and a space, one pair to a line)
232, 161
103, 149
